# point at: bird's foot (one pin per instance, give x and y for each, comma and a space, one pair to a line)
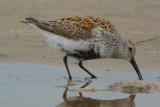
70, 78
93, 77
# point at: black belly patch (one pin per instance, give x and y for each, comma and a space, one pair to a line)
85, 55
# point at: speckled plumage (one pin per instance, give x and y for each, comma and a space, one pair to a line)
85, 38
80, 27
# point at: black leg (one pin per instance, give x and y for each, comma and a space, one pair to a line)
66, 65
81, 66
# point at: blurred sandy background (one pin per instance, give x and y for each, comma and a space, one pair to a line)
136, 19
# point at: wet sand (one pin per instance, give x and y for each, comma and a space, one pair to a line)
24, 85
21, 45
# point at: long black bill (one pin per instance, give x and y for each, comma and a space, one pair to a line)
133, 62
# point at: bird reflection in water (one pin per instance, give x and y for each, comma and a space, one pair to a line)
81, 101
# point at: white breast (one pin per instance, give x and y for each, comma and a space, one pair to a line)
62, 43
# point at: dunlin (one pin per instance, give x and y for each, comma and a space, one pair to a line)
86, 38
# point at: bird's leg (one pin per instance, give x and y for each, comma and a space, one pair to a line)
81, 66
66, 65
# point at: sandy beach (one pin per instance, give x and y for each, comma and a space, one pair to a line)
137, 20
32, 74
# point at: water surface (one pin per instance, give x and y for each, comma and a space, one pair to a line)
24, 85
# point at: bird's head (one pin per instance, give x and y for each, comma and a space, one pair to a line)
129, 52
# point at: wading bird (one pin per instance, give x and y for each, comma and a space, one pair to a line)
86, 38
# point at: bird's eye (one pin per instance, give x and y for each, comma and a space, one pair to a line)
130, 49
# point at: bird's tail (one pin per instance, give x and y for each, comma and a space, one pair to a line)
40, 24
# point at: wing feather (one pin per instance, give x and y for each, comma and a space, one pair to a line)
77, 27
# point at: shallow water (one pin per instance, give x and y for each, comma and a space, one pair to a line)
39, 86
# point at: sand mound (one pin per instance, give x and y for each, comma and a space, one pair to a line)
133, 87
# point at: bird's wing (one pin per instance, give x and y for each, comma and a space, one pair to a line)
73, 27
